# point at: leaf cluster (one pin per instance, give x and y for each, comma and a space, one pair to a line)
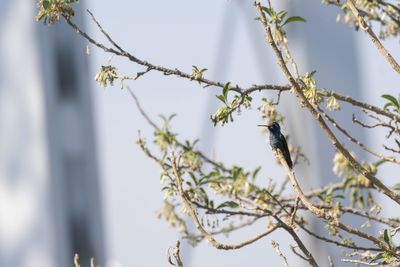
51, 10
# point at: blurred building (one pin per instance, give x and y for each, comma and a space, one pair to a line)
50, 204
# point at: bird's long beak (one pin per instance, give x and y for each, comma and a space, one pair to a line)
264, 125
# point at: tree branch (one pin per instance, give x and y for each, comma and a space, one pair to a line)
275, 245
393, 63
375, 181
197, 223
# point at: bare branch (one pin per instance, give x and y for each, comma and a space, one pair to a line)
373, 37
355, 141
330, 261
275, 245
164, 70
360, 262
176, 254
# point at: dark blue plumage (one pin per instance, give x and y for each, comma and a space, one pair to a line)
278, 141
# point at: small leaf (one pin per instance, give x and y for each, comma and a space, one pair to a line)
293, 19
347, 182
377, 257
230, 204
282, 14
322, 197
386, 237
339, 196
193, 178
389, 104
226, 90
312, 73
46, 4
222, 98
40, 16
302, 83
269, 11
171, 116
255, 172
392, 100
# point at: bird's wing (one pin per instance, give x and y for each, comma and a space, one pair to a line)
286, 152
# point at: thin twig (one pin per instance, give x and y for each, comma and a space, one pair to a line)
355, 141
374, 38
360, 262
363, 105
330, 261
151, 122
293, 215
177, 254
164, 70
275, 245
198, 225
293, 248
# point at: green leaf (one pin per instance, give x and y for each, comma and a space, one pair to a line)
389, 104
222, 98
302, 83
282, 14
387, 238
392, 100
171, 116
377, 257
255, 172
193, 178
312, 73
226, 90
293, 19
230, 204
39, 17
269, 11
347, 182
322, 196
46, 4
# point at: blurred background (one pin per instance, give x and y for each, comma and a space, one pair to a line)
72, 178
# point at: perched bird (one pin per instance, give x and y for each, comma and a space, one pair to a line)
278, 141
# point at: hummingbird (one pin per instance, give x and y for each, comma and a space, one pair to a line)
278, 141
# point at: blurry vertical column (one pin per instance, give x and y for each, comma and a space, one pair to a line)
26, 225
71, 142
328, 47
